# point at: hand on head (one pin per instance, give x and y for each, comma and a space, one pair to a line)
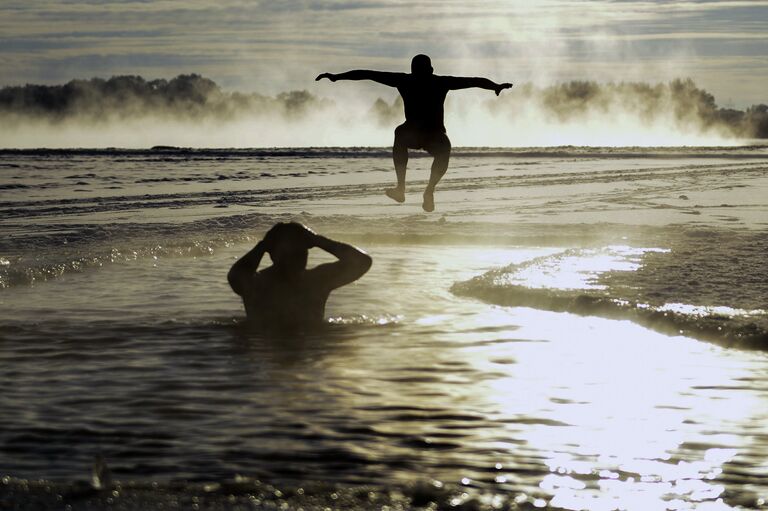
307, 235
330, 76
502, 87
295, 234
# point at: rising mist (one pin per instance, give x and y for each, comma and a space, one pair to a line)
190, 110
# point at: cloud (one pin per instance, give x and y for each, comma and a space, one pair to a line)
279, 45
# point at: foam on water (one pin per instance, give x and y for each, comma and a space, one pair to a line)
601, 282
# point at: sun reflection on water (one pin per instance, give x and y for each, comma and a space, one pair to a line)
608, 405
622, 417
576, 269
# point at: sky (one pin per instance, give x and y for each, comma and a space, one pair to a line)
278, 45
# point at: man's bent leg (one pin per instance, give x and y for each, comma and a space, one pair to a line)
441, 150
400, 158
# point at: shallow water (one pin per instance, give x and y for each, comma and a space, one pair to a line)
505, 346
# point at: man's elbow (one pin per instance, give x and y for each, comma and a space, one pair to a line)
356, 265
361, 264
365, 263
234, 278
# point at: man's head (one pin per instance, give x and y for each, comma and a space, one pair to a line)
287, 246
421, 65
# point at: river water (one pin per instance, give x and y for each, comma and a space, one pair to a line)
573, 328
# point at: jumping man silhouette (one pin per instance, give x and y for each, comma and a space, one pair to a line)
423, 96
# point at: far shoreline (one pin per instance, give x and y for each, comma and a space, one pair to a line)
752, 148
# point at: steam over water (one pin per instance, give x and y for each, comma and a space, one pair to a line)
578, 328
193, 111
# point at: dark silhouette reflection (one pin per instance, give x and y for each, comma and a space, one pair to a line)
423, 96
275, 353
287, 296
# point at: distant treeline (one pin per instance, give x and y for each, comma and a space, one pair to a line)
687, 104
193, 97
186, 96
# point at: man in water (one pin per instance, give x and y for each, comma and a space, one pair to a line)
423, 96
287, 295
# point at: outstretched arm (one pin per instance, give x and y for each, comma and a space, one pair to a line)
242, 271
352, 263
459, 82
383, 77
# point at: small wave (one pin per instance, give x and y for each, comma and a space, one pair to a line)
165, 152
364, 319
21, 270
579, 281
56, 250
